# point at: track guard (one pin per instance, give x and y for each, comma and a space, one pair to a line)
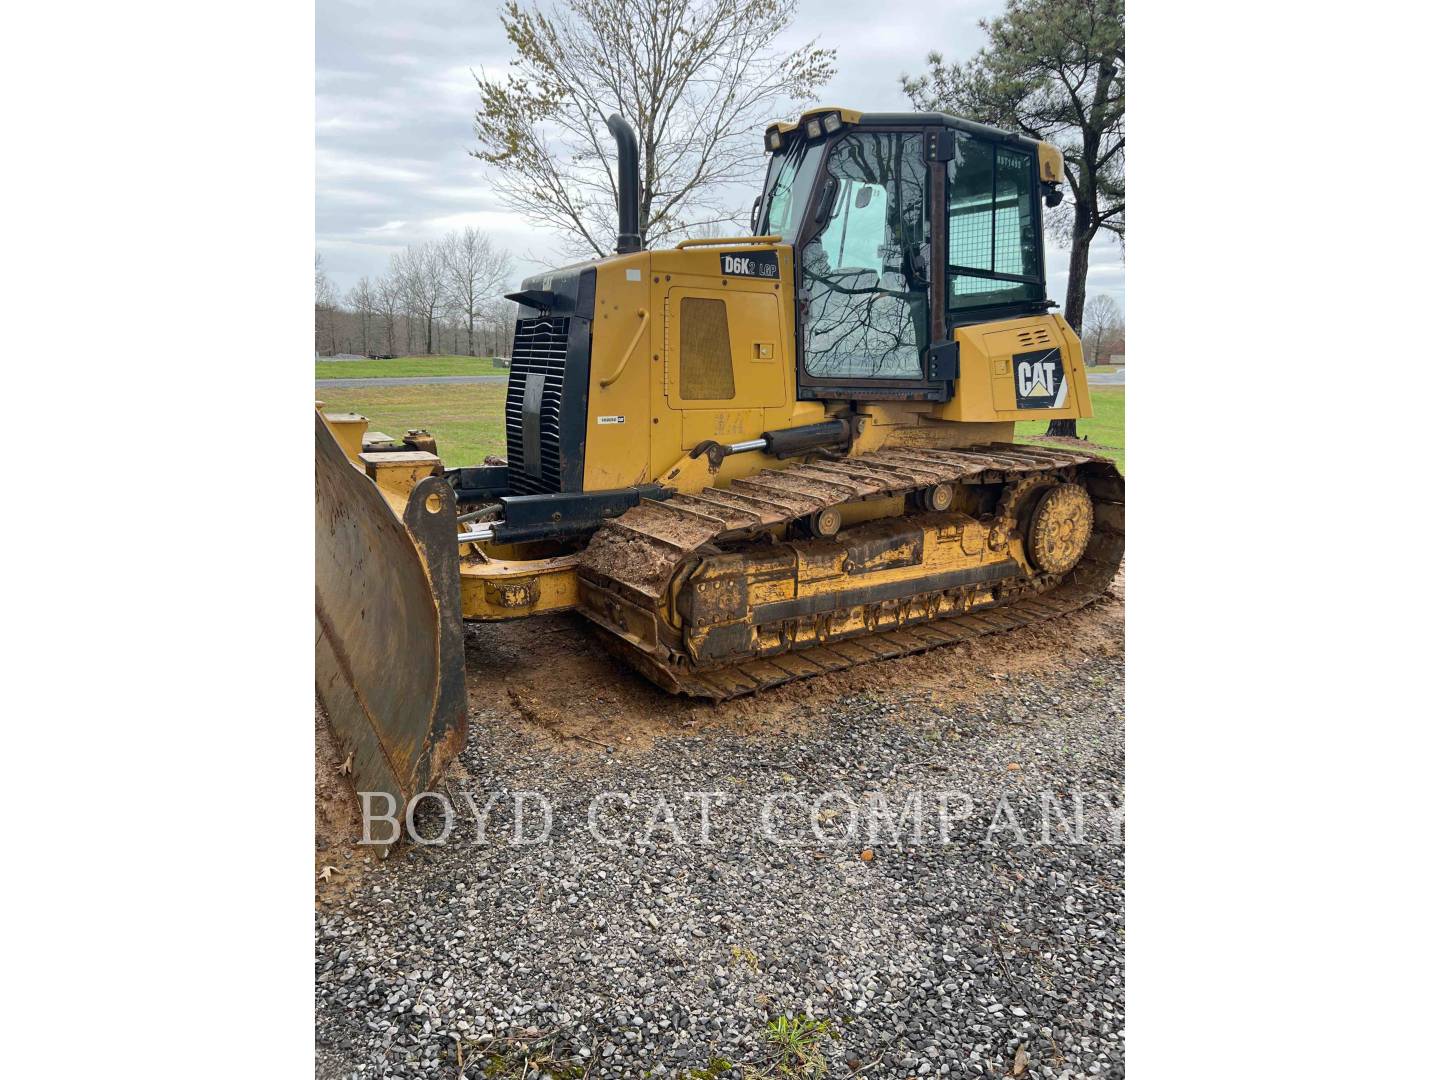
389, 648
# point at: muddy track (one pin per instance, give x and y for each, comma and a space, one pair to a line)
631, 564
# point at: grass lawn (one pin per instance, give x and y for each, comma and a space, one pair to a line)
406, 366
467, 420
1106, 428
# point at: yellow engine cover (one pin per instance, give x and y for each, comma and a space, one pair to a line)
1020, 369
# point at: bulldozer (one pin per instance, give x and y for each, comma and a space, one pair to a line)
743, 460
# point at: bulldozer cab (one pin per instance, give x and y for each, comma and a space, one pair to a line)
904, 227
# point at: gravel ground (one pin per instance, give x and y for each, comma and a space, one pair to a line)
992, 954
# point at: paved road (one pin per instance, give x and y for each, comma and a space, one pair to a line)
413, 380
1114, 378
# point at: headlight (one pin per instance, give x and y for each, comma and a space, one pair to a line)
831, 122
812, 128
773, 139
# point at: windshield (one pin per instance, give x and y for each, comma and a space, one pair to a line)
787, 189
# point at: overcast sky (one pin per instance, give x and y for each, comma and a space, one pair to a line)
395, 97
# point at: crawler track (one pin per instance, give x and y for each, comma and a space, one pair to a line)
629, 570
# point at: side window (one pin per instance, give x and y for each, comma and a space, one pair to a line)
972, 210
1015, 246
865, 274
994, 246
785, 197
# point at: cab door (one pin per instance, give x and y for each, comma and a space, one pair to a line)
864, 271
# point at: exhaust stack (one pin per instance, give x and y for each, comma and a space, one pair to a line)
628, 151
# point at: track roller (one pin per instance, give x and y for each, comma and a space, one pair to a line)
938, 498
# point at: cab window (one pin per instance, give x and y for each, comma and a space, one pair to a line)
787, 189
994, 242
865, 273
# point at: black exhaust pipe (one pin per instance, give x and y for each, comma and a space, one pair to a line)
628, 151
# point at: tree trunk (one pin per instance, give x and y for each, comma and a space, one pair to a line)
1075, 294
470, 334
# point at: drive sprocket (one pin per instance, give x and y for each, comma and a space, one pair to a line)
1060, 528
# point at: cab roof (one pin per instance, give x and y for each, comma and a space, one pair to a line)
1051, 164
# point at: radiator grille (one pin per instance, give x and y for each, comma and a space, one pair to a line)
537, 365
706, 373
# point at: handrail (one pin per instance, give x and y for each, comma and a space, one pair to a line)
713, 241
644, 322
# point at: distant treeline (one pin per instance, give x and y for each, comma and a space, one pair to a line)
440, 297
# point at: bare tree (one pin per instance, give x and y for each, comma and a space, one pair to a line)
324, 291
475, 271
362, 303
497, 325
324, 308
697, 78
1102, 321
421, 270
390, 306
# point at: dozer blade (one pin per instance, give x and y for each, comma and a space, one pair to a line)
389, 649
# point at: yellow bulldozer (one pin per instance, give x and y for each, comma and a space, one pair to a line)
743, 460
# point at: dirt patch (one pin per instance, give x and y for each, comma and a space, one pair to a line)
1071, 443
552, 678
337, 818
